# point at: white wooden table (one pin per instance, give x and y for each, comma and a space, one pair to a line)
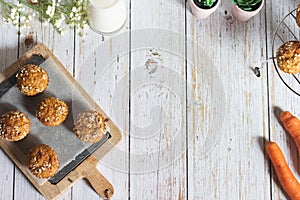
237, 166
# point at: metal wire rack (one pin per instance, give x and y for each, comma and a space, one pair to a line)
287, 30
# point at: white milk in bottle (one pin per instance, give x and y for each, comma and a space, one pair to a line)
106, 16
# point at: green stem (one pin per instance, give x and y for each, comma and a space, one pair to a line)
3, 2
35, 8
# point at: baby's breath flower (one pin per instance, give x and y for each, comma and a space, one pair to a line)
14, 10
62, 16
49, 10
56, 12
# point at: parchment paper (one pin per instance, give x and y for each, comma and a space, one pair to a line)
61, 138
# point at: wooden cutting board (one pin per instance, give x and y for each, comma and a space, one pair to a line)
87, 169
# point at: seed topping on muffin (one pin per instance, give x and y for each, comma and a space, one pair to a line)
288, 57
89, 126
52, 111
42, 161
32, 80
14, 125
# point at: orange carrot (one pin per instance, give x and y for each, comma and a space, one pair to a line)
284, 173
292, 125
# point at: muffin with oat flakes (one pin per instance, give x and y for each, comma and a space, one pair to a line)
52, 111
42, 161
14, 125
288, 57
32, 80
89, 126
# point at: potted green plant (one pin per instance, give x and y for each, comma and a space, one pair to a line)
201, 9
243, 10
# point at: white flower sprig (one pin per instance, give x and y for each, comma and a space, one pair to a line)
15, 14
56, 12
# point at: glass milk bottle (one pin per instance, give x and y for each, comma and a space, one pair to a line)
106, 16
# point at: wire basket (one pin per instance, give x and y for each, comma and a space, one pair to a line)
287, 30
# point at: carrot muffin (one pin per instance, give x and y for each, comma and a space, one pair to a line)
42, 161
89, 126
298, 15
14, 125
32, 80
52, 111
288, 57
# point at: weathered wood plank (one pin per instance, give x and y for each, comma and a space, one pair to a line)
157, 126
235, 168
8, 54
7, 177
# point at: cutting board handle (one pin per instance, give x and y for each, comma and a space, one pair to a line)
100, 184
2, 77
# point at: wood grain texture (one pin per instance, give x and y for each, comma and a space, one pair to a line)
8, 54
235, 48
157, 128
